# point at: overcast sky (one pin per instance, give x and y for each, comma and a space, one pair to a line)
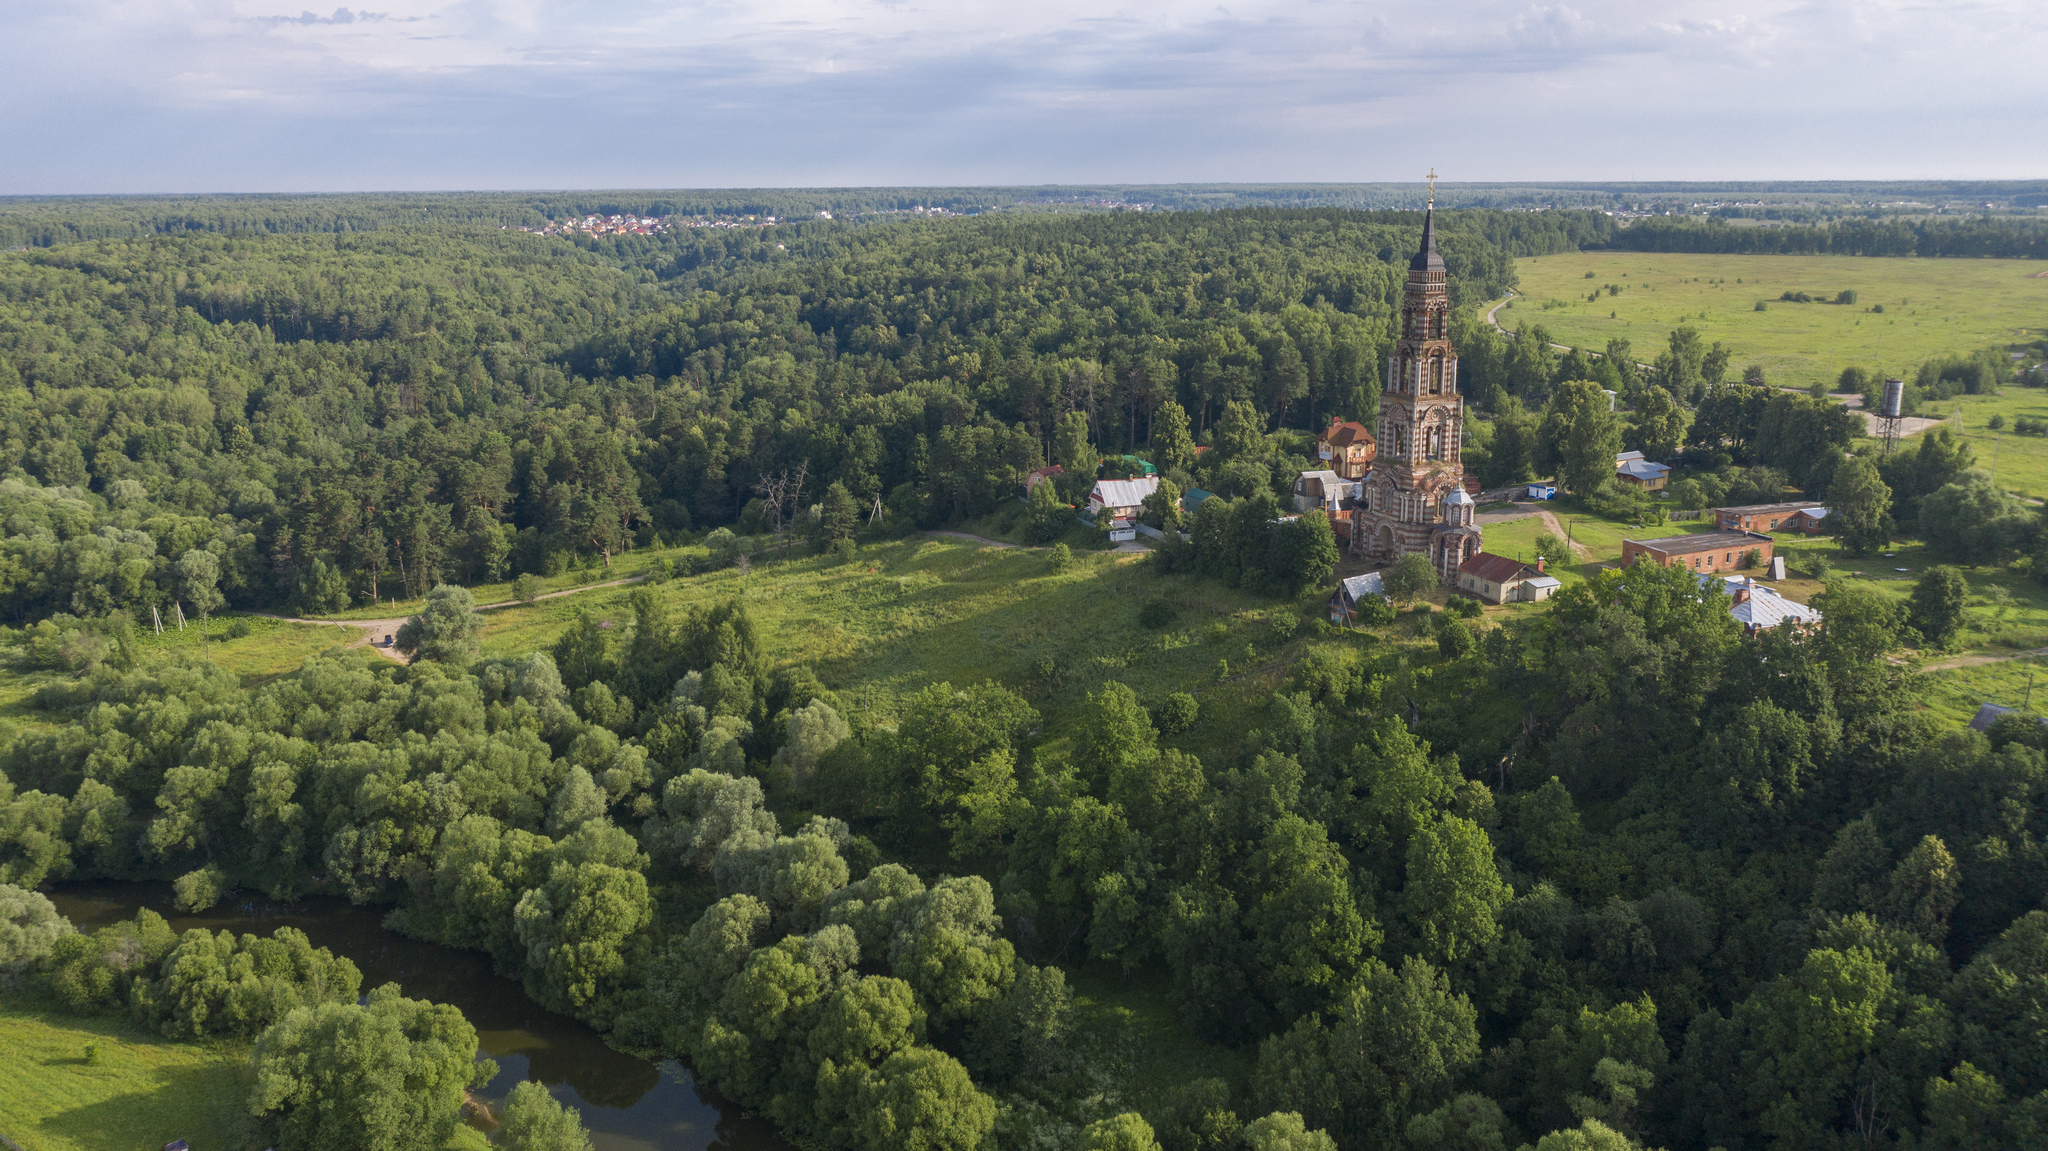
249, 95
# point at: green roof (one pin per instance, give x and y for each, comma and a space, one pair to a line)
1143, 466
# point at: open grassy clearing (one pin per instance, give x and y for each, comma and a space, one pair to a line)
926, 609
1600, 537
1932, 307
2019, 463
141, 1094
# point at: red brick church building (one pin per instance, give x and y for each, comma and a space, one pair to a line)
1415, 498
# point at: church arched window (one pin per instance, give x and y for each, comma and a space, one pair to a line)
1436, 375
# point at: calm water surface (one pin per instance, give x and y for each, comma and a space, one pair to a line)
628, 1103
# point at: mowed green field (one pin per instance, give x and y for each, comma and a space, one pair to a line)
1931, 307
141, 1094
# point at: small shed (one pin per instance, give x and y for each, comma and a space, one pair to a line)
1195, 498
1542, 491
1344, 603
1989, 714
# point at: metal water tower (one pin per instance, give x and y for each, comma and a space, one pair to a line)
1888, 413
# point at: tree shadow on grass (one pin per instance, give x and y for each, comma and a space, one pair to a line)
200, 1102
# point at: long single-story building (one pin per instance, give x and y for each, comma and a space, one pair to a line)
1770, 517
1498, 579
1700, 551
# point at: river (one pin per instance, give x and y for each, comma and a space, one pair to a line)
628, 1103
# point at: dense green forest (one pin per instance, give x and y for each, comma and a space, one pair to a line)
338, 417
2022, 239
1602, 876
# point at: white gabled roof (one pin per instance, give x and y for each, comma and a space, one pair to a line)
1641, 469
1764, 608
1124, 493
1627, 456
1360, 586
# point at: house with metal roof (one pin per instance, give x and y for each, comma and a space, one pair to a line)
1324, 489
1768, 517
1344, 603
1498, 579
1121, 499
1701, 551
1641, 473
1760, 607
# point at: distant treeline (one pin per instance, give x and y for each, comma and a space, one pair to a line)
44, 222
2010, 239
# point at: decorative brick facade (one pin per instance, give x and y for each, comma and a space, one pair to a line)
1409, 504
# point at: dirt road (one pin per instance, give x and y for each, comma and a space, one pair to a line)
374, 632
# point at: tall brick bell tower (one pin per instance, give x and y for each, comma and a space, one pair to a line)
1415, 499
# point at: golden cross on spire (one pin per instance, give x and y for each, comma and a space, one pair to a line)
1432, 188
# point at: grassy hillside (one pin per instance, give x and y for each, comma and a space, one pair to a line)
142, 1093
1931, 307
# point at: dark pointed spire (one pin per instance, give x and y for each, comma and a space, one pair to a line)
1427, 259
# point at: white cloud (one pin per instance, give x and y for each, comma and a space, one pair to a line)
133, 95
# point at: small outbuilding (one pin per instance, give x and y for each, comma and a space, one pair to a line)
1344, 603
1038, 476
1324, 489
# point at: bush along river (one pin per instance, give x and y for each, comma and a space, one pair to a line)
628, 1103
